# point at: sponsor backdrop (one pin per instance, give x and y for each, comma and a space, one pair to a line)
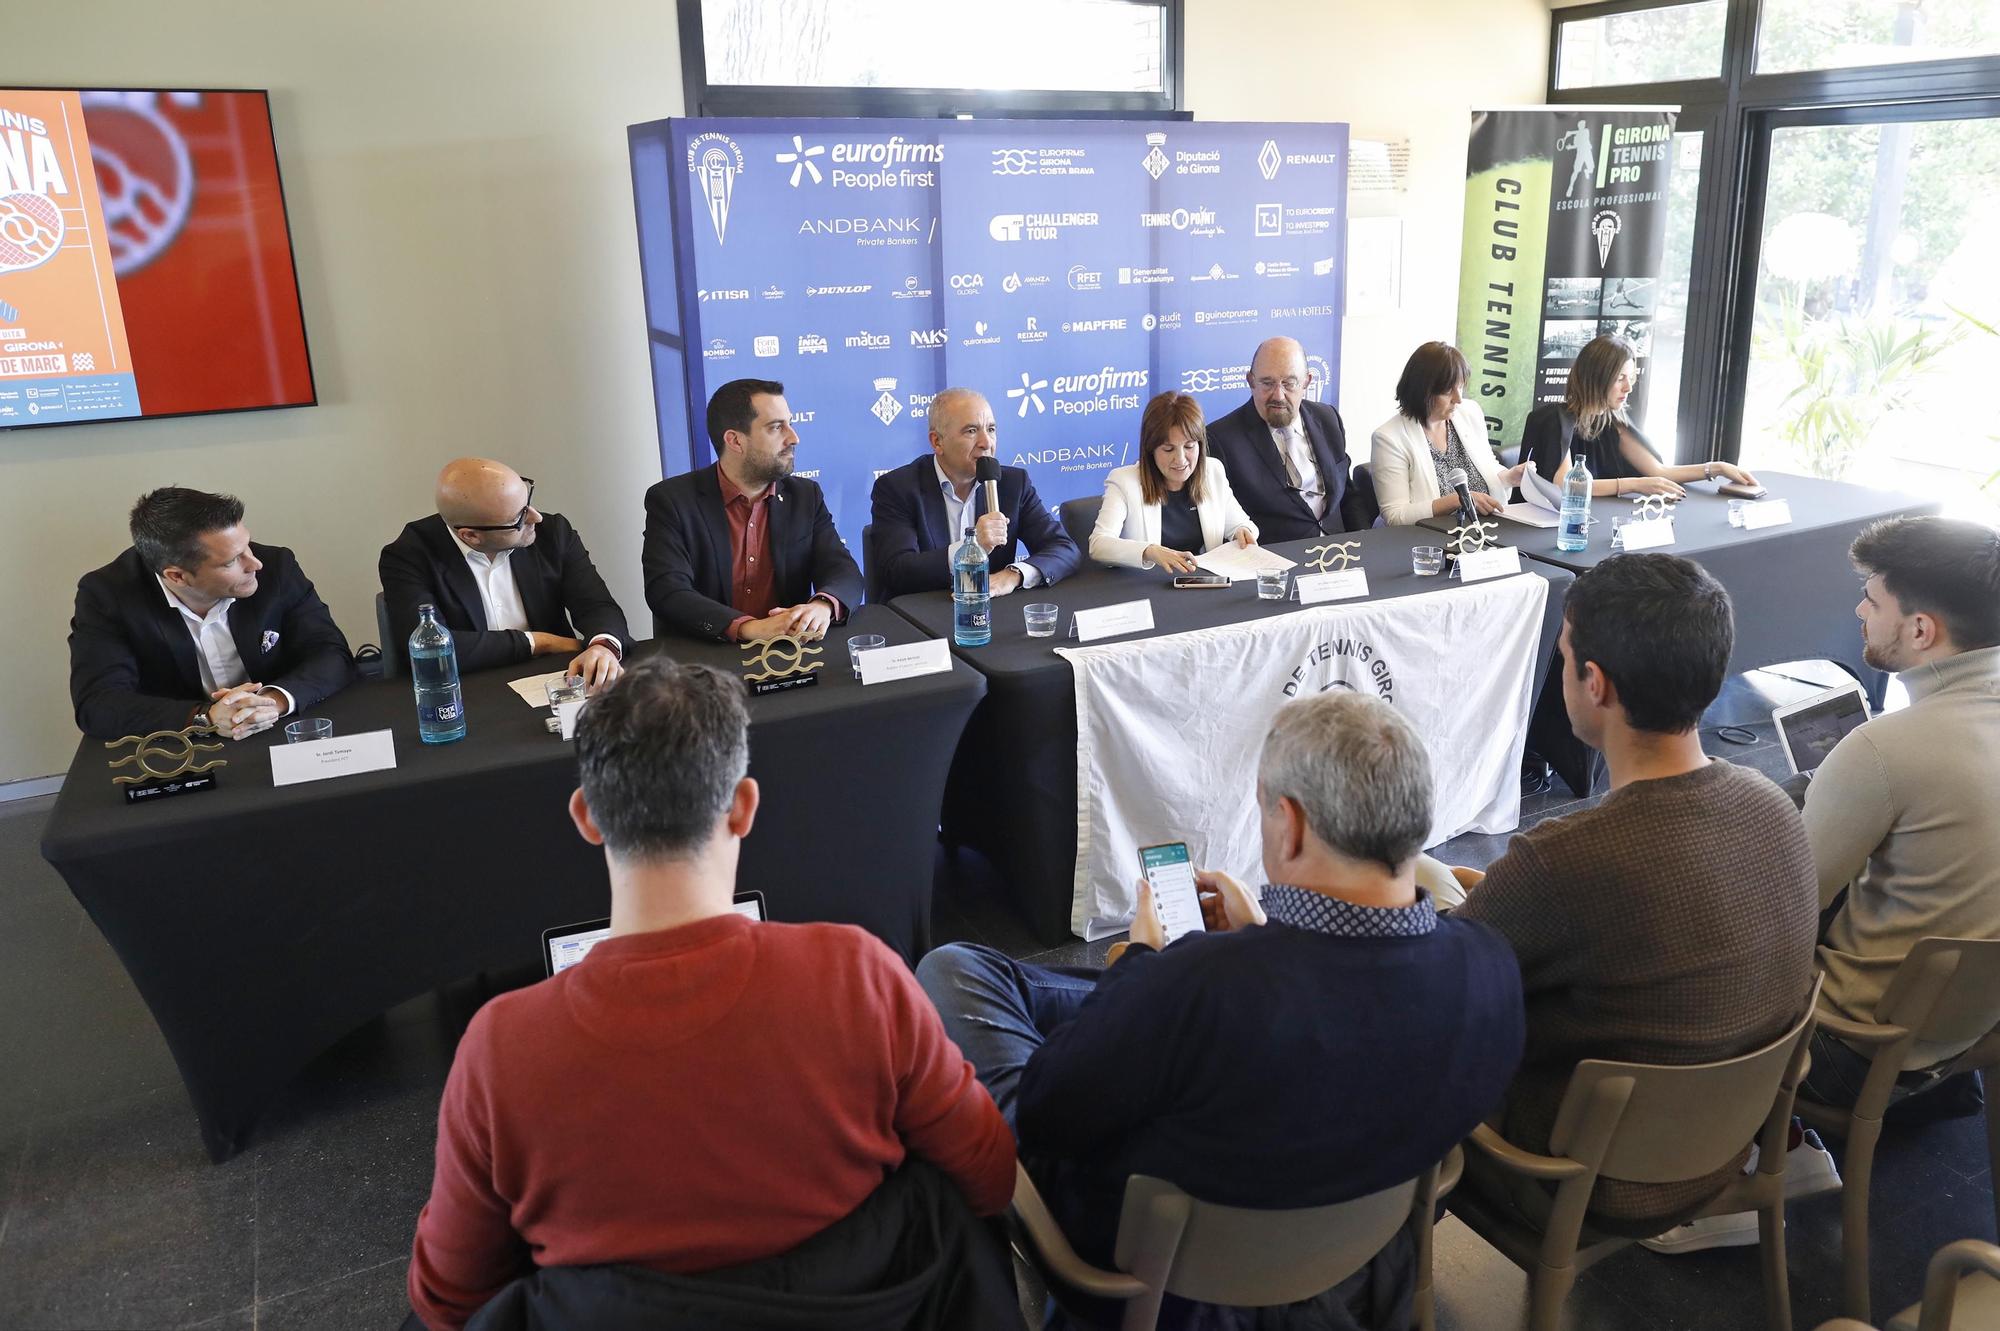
63, 353
1441, 658
1068, 270
1565, 231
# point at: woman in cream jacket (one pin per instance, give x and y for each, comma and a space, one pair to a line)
1433, 431
1173, 503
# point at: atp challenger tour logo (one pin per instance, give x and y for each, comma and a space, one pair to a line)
1348, 663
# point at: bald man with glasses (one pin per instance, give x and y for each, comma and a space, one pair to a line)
1286, 456
510, 581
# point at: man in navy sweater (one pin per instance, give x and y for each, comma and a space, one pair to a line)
1334, 1040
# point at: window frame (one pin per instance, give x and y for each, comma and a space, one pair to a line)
701, 98
1736, 113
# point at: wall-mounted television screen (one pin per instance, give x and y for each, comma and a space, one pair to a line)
145, 258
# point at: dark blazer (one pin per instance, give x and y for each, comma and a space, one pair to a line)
1549, 438
913, 549
1257, 474
132, 664
686, 554
558, 583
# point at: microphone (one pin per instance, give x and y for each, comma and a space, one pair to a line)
1455, 478
987, 471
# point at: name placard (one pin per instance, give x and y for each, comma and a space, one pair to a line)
1109, 621
566, 714
1341, 585
907, 660
343, 755
1770, 513
1647, 534
1496, 562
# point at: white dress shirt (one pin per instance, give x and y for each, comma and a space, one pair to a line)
215, 654
956, 512
499, 596
1296, 450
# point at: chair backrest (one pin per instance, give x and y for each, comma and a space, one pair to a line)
1363, 483
1078, 517
1947, 991
1250, 1258
392, 652
1648, 1123
875, 592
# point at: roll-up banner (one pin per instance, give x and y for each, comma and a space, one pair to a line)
1565, 233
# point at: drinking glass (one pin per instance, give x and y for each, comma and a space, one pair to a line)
570, 688
859, 643
1271, 584
308, 728
1041, 618
1427, 561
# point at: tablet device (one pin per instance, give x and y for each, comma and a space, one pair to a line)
567, 944
1808, 730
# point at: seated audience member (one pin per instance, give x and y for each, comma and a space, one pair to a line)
921, 511
1173, 503
1434, 432
510, 581
700, 1091
195, 625
1673, 921
744, 550
1591, 420
1287, 456
1235, 1063
1901, 815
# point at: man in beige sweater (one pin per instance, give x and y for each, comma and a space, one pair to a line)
1901, 815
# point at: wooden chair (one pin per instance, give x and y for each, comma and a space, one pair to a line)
1947, 991
1648, 1124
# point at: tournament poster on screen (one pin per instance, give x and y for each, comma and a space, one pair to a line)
1565, 237
63, 350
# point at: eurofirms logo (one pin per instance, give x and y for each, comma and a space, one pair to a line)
1037, 226
1107, 389
715, 161
891, 163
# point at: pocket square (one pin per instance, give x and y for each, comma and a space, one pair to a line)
270, 639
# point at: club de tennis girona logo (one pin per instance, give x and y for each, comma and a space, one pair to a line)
1349, 663
715, 161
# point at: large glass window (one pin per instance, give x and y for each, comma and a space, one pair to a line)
1642, 46
1841, 34
1877, 298
1047, 45
1669, 325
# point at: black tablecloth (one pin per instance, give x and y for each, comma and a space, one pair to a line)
261, 923
1792, 586
1012, 793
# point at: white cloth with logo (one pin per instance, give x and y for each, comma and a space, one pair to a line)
1169, 729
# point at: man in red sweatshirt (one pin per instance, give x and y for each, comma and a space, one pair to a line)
701, 1090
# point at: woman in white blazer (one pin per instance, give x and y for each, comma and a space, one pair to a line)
1173, 503
1434, 431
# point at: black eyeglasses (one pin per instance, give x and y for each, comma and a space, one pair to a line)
519, 518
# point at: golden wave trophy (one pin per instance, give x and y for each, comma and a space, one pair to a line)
168, 762
777, 664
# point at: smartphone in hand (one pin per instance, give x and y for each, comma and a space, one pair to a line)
1171, 873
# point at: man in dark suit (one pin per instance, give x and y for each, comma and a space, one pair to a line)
194, 624
510, 581
921, 511
745, 551
1287, 457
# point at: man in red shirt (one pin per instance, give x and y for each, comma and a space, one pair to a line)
701, 1090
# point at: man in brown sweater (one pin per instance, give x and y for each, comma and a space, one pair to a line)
1674, 921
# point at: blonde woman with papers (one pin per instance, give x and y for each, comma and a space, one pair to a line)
1174, 504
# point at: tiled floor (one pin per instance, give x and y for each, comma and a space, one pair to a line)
112, 1216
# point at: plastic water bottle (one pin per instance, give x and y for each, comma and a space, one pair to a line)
971, 595
434, 671
1573, 532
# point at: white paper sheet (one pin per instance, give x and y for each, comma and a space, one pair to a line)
1237, 562
534, 689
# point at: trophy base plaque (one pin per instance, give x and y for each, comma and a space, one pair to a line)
147, 791
759, 687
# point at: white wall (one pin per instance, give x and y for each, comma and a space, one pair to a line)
462, 212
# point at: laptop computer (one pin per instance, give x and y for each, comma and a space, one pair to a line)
1808, 730
567, 944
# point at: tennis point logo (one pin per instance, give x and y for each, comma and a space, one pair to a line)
1037, 226
1081, 394
885, 163
1194, 221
